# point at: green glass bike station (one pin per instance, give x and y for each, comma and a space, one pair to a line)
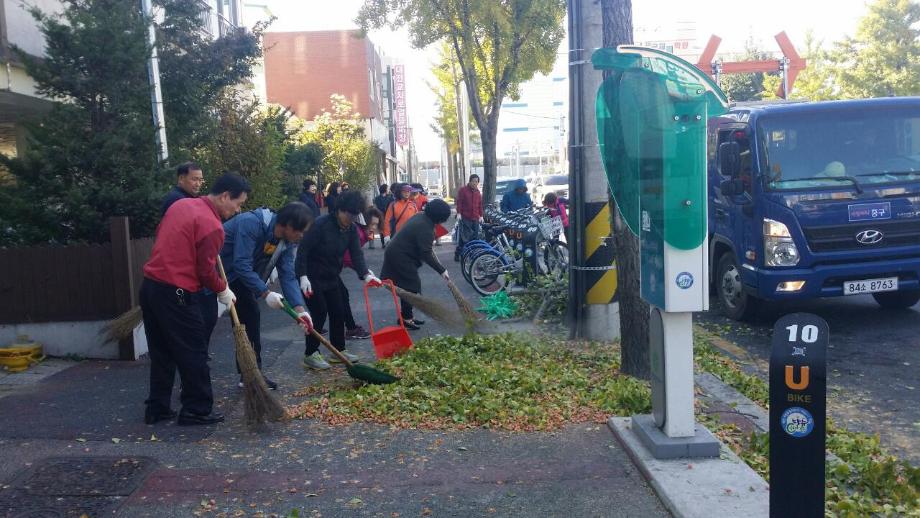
652, 111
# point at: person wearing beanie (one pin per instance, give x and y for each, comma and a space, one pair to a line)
409, 248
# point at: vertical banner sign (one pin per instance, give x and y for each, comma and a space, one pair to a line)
797, 416
399, 97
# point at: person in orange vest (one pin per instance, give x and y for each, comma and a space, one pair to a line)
400, 211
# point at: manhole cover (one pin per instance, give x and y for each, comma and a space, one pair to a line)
19, 504
85, 476
73, 486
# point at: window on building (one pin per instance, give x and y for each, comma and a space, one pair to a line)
514, 105
510, 130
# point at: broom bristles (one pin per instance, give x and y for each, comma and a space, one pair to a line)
259, 403
432, 308
122, 326
466, 308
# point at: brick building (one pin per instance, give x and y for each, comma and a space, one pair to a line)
303, 69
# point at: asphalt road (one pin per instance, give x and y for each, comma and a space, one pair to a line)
872, 361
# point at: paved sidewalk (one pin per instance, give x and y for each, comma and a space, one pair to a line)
11, 382
76, 441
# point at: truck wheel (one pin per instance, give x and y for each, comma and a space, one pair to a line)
897, 299
736, 304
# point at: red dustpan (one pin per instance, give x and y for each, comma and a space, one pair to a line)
389, 340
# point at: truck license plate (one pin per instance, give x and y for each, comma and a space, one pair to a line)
870, 286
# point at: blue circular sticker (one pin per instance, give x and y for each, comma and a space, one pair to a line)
797, 422
684, 280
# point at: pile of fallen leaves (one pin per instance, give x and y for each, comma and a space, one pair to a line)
507, 382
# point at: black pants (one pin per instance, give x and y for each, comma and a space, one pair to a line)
327, 300
466, 232
405, 308
176, 340
349, 316
208, 304
382, 242
247, 308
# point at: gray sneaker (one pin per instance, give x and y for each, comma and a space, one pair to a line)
315, 361
353, 358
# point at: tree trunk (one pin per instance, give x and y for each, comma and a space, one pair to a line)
451, 167
634, 311
489, 165
458, 175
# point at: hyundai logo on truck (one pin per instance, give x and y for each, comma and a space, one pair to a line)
869, 237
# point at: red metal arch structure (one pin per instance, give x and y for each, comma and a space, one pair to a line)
789, 66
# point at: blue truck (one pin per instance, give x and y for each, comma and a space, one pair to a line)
815, 199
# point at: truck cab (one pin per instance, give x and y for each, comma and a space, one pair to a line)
815, 199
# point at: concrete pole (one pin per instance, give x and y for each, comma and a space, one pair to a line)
156, 93
599, 317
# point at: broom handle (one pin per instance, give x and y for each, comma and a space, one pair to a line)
223, 275
331, 348
293, 314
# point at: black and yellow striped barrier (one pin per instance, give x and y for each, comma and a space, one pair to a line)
600, 277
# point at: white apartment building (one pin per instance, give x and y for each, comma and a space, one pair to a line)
18, 99
532, 133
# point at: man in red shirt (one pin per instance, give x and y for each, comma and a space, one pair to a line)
469, 210
183, 263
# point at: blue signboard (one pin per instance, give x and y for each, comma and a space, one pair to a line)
869, 211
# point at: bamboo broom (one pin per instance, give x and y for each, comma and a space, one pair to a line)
432, 308
122, 326
260, 404
464, 305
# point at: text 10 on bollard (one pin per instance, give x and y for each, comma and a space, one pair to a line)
797, 416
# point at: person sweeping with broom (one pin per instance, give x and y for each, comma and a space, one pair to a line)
319, 263
411, 246
256, 243
181, 265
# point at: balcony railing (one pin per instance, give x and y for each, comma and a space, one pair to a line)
213, 22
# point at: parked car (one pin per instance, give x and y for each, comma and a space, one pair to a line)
557, 184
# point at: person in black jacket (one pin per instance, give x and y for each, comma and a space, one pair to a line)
382, 201
189, 180
308, 197
319, 262
411, 246
333, 191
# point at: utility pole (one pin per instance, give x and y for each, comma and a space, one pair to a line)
153, 74
593, 314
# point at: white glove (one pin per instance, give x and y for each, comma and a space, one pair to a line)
273, 278
274, 300
480, 219
226, 297
305, 322
305, 286
371, 280
446, 275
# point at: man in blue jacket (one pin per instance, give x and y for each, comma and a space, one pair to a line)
517, 198
257, 242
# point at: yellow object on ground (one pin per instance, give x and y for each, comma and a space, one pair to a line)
21, 355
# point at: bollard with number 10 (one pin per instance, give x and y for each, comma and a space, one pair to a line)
797, 416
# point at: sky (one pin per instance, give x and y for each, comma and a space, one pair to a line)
829, 20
